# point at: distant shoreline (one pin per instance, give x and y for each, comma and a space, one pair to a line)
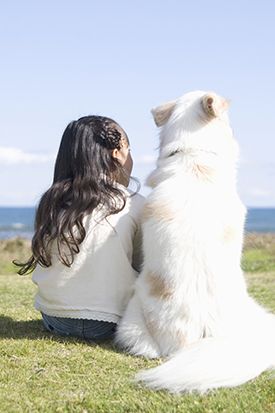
19, 221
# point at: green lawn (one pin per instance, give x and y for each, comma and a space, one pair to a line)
42, 373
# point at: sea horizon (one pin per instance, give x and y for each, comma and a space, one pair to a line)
18, 221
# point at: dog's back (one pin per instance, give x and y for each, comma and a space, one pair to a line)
191, 286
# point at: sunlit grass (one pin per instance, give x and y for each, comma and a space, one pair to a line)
43, 373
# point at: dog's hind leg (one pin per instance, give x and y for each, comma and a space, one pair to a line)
132, 333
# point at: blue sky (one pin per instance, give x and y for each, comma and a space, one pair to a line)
64, 59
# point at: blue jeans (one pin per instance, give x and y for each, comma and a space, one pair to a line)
85, 329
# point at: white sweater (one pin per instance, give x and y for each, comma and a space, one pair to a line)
100, 281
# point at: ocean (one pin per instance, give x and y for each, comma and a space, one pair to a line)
18, 222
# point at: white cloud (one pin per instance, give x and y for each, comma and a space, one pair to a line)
11, 156
260, 192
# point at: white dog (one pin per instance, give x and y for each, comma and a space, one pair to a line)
191, 300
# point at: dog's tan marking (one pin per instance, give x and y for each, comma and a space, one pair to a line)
152, 327
156, 331
229, 234
203, 172
157, 211
158, 287
181, 337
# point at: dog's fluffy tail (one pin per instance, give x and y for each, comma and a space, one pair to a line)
215, 362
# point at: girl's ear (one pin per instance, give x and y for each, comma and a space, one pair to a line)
214, 105
115, 153
162, 113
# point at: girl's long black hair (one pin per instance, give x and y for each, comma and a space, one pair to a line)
84, 176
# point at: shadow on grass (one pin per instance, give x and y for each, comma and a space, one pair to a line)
35, 330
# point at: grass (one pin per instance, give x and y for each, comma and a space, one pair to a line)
259, 253
43, 373
17, 248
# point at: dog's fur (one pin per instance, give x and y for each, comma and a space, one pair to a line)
191, 301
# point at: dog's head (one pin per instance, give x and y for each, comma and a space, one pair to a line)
197, 120
206, 105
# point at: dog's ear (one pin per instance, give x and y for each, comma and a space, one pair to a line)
214, 105
162, 113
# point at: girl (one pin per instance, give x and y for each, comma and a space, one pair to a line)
86, 250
